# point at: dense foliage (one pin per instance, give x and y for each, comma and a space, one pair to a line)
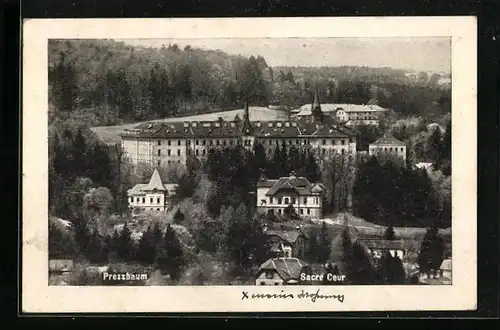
108, 82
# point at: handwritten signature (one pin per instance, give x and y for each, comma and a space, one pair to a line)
285, 295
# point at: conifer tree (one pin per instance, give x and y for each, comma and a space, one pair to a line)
389, 233
324, 244
147, 247
178, 217
125, 244
170, 257
431, 251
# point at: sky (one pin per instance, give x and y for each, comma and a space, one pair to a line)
416, 54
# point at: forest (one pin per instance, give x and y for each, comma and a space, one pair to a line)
105, 82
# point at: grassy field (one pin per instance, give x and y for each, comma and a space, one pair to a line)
366, 228
110, 134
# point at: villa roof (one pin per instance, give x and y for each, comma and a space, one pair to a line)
289, 236
388, 140
446, 265
155, 183
287, 268
300, 184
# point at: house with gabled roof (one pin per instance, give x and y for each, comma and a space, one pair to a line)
281, 271
388, 145
286, 243
277, 196
153, 196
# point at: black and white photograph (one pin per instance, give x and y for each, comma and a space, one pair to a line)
320, 162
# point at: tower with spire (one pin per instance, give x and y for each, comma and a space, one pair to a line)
247, 129
316, 107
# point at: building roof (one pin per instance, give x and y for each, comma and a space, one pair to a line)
300, 127
287, 268
388, 140
266, 183
383, 244
300, 184
289, 236
446, 265
155, 182
305, 110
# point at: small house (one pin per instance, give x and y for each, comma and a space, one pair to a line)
286, 243
378, 247
153, 196
281, 271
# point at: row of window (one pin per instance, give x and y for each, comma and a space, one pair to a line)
168, 162
249, 142
169, 142
169, 152
143, 199
388, 149
286, 200
301, 211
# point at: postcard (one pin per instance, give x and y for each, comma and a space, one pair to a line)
249, 164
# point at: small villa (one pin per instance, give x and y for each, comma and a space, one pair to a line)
286, 243
152, 196
278, 196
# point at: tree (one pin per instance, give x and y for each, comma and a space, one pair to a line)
79, 165
170, 257
311, 171
147, 247
97, 206
125, 244
431, 251
178, 217
389, 233
95, 248
61, 243
435, 146
323, 244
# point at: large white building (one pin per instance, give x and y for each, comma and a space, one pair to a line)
159, 144
277, 195
350, 114
152, 196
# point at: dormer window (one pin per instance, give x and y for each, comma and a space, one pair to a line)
194, 124
186, 124
279, 124
287, 124
269, 124
217, 124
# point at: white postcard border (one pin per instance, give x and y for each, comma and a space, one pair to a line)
38, 297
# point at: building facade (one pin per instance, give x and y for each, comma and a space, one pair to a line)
152, 196
389, 146
350, 114
277, 196
159, 144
